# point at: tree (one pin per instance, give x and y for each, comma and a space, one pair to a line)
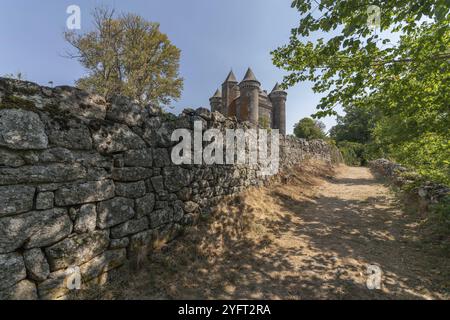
127, 55
355, 126
405, 81
308, 128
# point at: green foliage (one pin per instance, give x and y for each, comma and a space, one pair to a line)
14, 102
402, 87
428, 154
442, 213
356, 125
308, 128
352, 152
128, 55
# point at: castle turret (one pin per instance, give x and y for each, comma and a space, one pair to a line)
230, 92
249, 87
216, 101
278, 97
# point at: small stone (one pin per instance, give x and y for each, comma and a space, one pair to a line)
16, 199
185, 194
145, 205
190, 206
129, 227
85, 218
36, 264
44, 200
160, 217
158, 183
114, 211
175, 178
131, 190
12, 269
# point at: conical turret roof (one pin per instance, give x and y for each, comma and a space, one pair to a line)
277, 88
249, 76
231, 77
217, 94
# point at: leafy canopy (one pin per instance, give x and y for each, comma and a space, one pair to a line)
403, 85
308, 128
127, 55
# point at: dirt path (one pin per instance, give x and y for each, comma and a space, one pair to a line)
311, 238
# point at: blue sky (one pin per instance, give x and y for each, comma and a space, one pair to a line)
214, 36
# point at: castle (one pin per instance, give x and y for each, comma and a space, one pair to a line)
248, 102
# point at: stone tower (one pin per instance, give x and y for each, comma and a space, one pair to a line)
216, 101
278, 98
248, 102
249, 88
229, 92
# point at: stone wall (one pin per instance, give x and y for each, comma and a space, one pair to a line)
90, 184
428, 192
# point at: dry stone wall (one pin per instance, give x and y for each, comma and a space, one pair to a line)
428, 192
90, 185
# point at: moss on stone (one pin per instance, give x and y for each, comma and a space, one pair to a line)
168, 116
14, 102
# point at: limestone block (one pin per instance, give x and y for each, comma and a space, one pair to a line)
129, 227
12, 269
36, 264
77, 249
34, 229
130, 190
114, 211
16, 199
44, 200
22, 130
145, 205
78, 193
